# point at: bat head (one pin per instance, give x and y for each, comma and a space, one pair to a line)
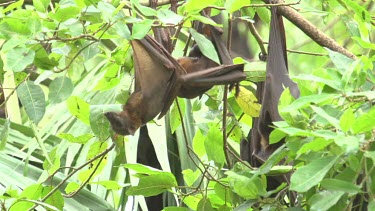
120, 123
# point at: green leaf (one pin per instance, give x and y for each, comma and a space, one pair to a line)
175, 117
204, 20
279, 170
198, 143
315, 145
4, 134
234, 5
223, 192
333, 121
109, 185
82, 139
311, 174
107, 12
96, 167
312, 78
190, 176
349, 144
197, 5
168, 17
360, 11
13, 42
34, 24
151, 185
364, 44
139, 30
370, 154
175, 209
147, 11
214, 145
142, 169
205, 45
99, 123
205, 205
244, 186
275, 158
12, 6
340, 185
371, 205
192, 201
96, 148
263, 14
60, 89
347, 120
56, 199
341, 61
54, 165
365, 123
18, 59
71, 187
63, 14
276, 136
42, 60
41, 5
30, 192
33, 100
324, 200
304, 101
79, 108
110, 79
248, 102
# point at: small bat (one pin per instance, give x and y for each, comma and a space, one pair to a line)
159, 78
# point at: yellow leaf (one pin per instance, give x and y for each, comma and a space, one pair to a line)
248, 102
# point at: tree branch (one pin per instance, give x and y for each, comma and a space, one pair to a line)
310, 30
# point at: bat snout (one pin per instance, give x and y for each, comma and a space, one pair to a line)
118, 123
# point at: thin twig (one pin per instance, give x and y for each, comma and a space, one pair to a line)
307, 53
259, 5
258, 38
72, 173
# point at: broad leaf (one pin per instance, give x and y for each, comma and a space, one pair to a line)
311, 174
33, 100
60, 89
205, 45
18, 59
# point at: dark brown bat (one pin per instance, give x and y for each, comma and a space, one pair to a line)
203, 73
277, 78
159, 78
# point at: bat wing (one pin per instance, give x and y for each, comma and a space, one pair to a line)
193, 84
154, 67
198, 80
277, 73
220, 75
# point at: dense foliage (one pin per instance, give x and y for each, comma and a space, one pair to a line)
64, 63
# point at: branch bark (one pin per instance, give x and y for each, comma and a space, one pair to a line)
310, 30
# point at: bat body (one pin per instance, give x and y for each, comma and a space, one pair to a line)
159, 78
277, 78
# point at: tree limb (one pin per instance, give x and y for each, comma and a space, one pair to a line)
310, 30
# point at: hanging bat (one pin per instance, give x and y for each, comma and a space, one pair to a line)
277, 78
159, 78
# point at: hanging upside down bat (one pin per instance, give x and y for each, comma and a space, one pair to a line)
159, 79
277, 77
